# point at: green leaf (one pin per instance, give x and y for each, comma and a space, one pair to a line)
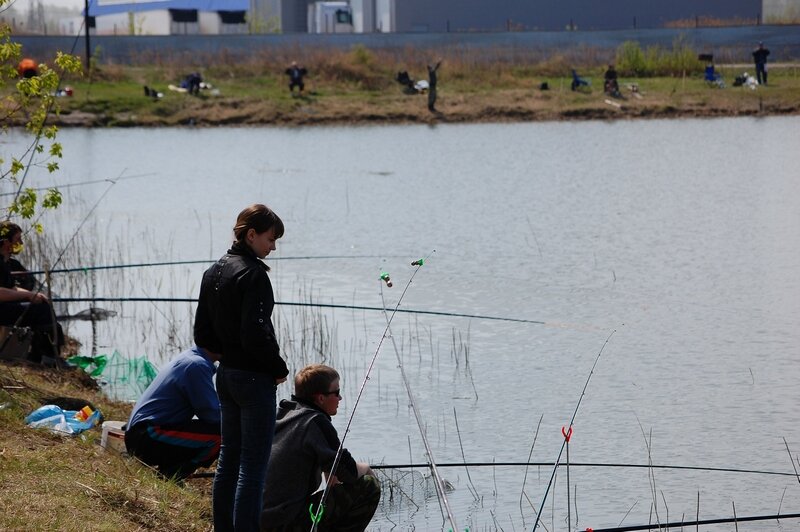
52, 199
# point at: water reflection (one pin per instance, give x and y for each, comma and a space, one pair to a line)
681, 235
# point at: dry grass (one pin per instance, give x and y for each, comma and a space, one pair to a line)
52, 482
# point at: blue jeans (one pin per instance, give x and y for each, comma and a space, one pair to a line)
247, 401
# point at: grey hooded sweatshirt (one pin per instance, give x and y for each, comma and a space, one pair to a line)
304, 446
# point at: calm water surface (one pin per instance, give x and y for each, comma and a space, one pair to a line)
682, 236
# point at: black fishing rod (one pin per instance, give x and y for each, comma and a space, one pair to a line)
425, 465
680, 524
293, 304
584, 464
183, 262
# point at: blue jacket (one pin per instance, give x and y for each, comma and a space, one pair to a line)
183, 389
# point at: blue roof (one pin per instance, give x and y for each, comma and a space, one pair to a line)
136, 7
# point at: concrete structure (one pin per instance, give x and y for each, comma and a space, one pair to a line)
729, 45
781, 11
330, 17
278, 16
168, 17
373, 16
558, 15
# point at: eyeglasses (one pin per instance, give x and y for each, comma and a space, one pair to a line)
334, 392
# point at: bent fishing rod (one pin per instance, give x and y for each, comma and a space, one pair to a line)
316, 516
569, 431
440, 490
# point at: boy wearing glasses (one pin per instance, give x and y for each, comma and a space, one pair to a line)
303, 449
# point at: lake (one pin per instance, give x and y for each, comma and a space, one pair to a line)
682, 236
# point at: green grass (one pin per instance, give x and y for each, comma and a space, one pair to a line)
69, 483
358, 85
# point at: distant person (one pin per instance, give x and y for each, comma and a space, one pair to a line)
26, 307
296, 74
303, 450
192, 83
234, 318
611, 85
760, 57
27, 68
162, 431
432, 86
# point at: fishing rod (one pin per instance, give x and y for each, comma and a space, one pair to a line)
295, 304
183, 262
316, 516
418, 465
434, 471
569, 430
82, 183
681, 524
58, 259
585, 464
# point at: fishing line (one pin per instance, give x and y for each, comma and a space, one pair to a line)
295, 304
569, 428
204, 261
316, 516
434, 472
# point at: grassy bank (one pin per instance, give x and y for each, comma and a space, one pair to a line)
52, 482
358, 86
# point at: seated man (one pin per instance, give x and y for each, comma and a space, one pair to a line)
578, 82
304, 447
161, 431
25, 307
192, 83
611, 85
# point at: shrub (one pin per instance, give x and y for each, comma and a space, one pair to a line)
657, 61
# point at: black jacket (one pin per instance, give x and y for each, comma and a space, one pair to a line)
760, 56
304, 446
234, 314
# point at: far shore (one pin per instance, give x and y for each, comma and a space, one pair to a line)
358, 88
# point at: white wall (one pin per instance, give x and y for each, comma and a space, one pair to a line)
384, 16
780, 11
363, 15
144, 23
210, 23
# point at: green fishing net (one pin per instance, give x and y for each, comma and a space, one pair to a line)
120, 377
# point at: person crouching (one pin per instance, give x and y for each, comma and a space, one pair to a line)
303, 449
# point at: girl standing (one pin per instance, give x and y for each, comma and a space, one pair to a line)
234, 318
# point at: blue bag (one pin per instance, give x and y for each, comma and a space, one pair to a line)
62, 421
